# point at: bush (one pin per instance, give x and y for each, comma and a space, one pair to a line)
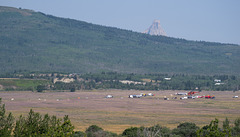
40, 88
186, 130
131, 132
79, 134
95, 131
72, 90
93, 128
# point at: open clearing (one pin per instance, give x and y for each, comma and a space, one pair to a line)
86, 108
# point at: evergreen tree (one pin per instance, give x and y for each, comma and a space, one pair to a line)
213, 130
35, 125
236, 128
6, 122
226, 126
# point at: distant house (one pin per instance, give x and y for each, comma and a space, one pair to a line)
42, 75
132, 82
167, 78
217, 80
64, 80
217, 84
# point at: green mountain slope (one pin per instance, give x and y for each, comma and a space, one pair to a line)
34, 41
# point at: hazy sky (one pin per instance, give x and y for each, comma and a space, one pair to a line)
208, 20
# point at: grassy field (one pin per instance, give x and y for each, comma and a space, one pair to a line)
21, 84
86, 108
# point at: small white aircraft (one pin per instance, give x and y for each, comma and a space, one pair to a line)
181, 93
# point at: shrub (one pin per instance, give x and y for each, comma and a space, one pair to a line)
130, 132
186, 130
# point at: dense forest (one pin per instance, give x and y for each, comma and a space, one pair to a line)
34, 41
35, 124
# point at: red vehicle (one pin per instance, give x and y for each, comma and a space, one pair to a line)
201, 96
211, 97
192, 92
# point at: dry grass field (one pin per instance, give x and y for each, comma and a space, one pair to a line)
86, 108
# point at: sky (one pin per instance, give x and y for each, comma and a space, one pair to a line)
205, 20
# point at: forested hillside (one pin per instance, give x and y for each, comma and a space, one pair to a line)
33, 41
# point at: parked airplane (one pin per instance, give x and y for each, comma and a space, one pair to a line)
181, 93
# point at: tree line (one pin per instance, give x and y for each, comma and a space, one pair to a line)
112, 80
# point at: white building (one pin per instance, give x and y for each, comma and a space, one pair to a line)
217, 80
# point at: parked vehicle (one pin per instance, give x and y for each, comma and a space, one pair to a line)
109, 96
210, 97
184, 97
191, 97
150, 94
135, 96
192, 92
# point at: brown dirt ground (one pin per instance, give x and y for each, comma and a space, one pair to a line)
86, 108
